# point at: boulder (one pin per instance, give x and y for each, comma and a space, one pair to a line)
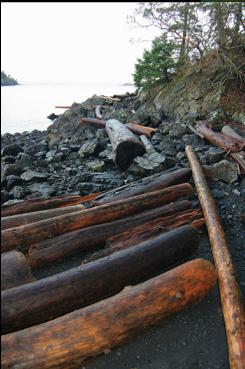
12, 181
12, 149
43, 189
224, 170
32, 176
24, 160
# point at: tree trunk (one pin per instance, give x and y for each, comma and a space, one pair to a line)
29, 206
66, 342
15, 270
125, 145
183, 41
146, 231
27, 218
30, 233
50, 297
231, 297
87, 239
148, 184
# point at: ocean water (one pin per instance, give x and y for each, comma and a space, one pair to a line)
26, 107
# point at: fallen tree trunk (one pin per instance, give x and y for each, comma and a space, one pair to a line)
29, 206
108, 323
27, 218
31, 233
15, 270
125, 145
50, 297
147, 143
230, 132
231, 298
218, 139
148, 184
134, 127
87, 239
146, 231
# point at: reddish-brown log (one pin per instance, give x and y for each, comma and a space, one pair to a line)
15, 270
50, 297
28, 206
145, 232
66, 342
231, 297
148, 184
27, 218
31, 233
87, 239
218, 139
134, 127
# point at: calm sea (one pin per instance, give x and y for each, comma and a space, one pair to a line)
26, 107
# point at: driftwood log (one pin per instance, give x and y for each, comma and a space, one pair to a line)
36, 216
147, 143
66, 342
231, 297
125, 145
50, 297
239, 158
133, 127
230, 132
87, 239
28, 234
148, 184
15, 270
29, 206
147, 231
218, 139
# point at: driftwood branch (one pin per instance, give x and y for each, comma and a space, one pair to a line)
108, 323
231, 298
50, 297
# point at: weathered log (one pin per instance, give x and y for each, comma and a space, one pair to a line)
98, 112
50, 297
231, 298
28, 206
148, 145
87, 239
34, 232
146, 231
15, 270
148, 184
66, 342
125, 145
218, 139
27, 218
133, 127
239, 158
230, 132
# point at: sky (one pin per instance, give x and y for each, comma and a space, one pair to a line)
71, 42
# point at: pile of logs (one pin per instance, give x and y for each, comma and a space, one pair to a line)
136, 241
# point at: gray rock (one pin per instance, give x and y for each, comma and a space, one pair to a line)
218, 194
18, 192
107, 155
177, 131
12, 149
239, 117
8, 159
214, 154
32, 176
85, 188
11, 169
4, 196
180, 156
224, 170
89, 148
96, 165
44, 189
24, 160
51, 154
149, 164
101, 134
12, 181
12, 202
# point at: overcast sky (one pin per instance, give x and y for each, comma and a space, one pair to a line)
68, 42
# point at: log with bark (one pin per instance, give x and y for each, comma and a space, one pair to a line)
133, 127
231, 297
230, 132
147, 231
148, 184
29, 206
87, 239
28, 234
36, 216
125, 145
66, 342
218, 139
15, 270
51, 297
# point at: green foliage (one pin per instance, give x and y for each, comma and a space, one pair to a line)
156, 64
7, 80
